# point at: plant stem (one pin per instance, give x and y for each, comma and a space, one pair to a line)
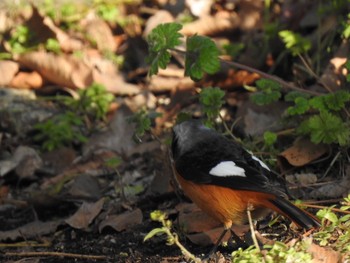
261, 73
184, 251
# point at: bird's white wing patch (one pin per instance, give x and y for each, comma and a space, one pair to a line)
261, 162
227, 168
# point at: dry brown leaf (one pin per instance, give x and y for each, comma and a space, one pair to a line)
123, 221
333, 189
8, 70
30, 230
118, 137
63, 70
98, 30
67, 43
85, 187
27, 80
115, 83
85, 214
209, 237
193, 220
59, 160
77, 169
25, 161
302, 178
324, 254
303, 152
160, 17
210, 25
231, 79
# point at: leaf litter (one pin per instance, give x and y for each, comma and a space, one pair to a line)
85, 206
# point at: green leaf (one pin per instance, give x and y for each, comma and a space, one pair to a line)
336, 101
326, 128
318, 103
162, 38
327, 214
202, 56
294, 42
270, 92
347, 66
212, 101
270, 138
291, 96
153, 232
301, 106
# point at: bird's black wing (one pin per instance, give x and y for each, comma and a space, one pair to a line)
198, 165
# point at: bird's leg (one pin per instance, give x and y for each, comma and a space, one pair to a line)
213, 250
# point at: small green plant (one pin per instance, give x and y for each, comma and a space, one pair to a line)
143, 121
201, 53
93, 101
325, 118
212, 101
108, 12
294, 42
53, 45
60, 130
172, 237
278, 252
270, 92
19, 39
335, 231
67, 128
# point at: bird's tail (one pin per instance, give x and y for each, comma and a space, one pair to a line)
296, 214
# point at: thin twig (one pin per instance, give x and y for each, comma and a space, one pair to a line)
323, 207
261, 73
252, 230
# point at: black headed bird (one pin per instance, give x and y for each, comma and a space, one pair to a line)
223, 179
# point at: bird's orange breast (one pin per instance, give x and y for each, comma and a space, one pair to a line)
225, 204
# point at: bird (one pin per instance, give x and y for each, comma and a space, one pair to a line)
225, 180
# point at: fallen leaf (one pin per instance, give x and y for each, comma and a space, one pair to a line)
67, 43
118, 137
59, 159
98, 30
255, 119
115, 83
160, 17
209, 237
193, 220
303, 152
211, 25
324, 254
25, 160
302, 178
85, 214
27, 80
64, 70
85, 187
32, 230
8, 70
123, 221
332, 190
